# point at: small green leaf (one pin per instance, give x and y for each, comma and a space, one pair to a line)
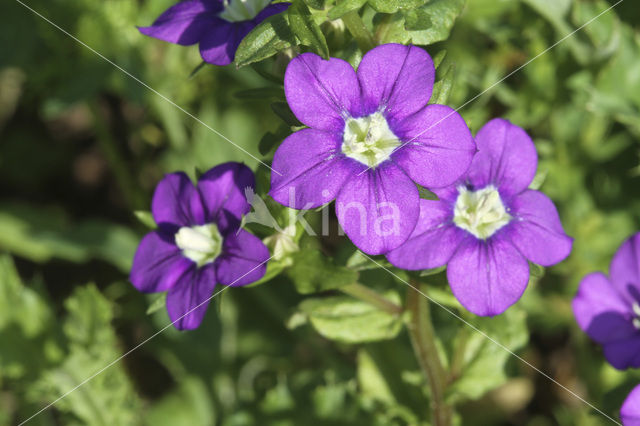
158, 303
313, 272
145, 218
442, 87
360, 262
315, 4
438, 58
349, 320
268, 38
283, 111
196, 69
417, 20
305, 28
343, 7
392, 6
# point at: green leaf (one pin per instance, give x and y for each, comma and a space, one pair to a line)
349, 320
260, 93
484, 361
438, 58
360, 262
305, 28
441, 14
283, 111
315, 4
146, 218
189, 404
92, 344
343, 7
442, 88
313, 272
158, 303
40, 234
392, 6
268, 38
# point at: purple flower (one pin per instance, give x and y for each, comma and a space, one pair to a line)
198, 243
486, 225
218, 25
608, 309
371, 135
630, 411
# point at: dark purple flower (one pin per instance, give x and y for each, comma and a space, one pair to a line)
485, 226
630, 411
218, 25
371, 136
608, 309
198, 243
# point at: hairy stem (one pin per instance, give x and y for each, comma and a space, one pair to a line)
359, 31
423, 340
372, 297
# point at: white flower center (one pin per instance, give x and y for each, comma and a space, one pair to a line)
242, 10
369, 139
636, 311
202, 244
480, 212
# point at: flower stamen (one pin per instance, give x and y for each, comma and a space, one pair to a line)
480, 212
201, 244
369, 140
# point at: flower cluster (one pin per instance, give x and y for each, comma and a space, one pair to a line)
199, 242
217, 25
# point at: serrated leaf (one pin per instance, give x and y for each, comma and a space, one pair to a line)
270, 37
392, 6
442, 15
146, 218
442, 88
313, 272
343, 7
305, 28
349, 320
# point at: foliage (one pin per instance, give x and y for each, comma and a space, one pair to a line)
83, 144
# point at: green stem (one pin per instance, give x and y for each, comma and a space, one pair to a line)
423, 340
372, 297
359, 31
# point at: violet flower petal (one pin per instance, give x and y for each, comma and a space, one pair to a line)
506, 158
487, 276
442, 149
184, 23
157, 264
396, 79
311, 169
536, 229
243, 260
322, 93
191, 294
623, 354
432, 242
379, 208
176, 201
219, 43
600, 311
630, 410
624, 271
223, 193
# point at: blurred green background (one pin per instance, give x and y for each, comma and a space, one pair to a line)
82, 146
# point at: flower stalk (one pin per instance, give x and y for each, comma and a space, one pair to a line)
372, 297
359, 31
423, 340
